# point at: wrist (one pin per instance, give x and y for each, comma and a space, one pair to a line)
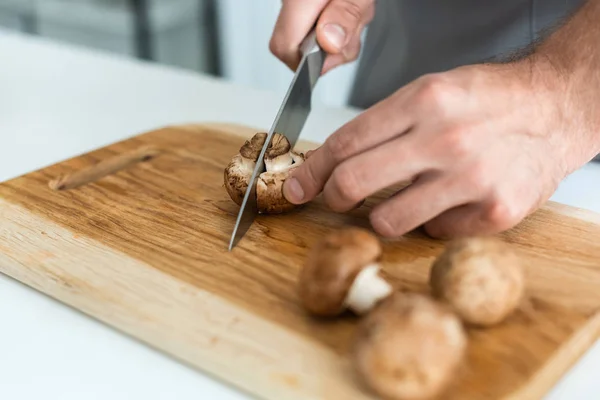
566, 108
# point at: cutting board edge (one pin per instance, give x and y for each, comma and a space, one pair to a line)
566, 356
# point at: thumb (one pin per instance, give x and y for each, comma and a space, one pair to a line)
340, 21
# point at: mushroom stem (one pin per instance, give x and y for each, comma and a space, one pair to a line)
368, 288
247, 164
279, 163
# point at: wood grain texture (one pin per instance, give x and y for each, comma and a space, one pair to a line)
145, 251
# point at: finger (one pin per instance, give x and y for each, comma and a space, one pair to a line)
398, 160
428, 197
349, 54
458, 221
295, 20
487, 218
340, 22
310, 152
391, 117
304, 182
378, 124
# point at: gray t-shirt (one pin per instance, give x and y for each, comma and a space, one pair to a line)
409, 38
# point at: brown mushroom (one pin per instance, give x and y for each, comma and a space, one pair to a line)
279, 161
342, 272
269, 187
409, 347
481, 278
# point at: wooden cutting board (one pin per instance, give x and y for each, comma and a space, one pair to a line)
145, 251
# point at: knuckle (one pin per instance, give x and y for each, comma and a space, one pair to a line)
456, 142
434, 91
341, 146
347, 184
276, 46
382, 225
501, 215
350, 10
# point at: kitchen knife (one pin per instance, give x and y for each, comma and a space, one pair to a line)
289, 122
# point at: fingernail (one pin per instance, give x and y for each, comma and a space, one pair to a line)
293, 191
335, 34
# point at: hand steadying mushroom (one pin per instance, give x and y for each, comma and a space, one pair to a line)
342, 272
279, 160
481, 278
409, 347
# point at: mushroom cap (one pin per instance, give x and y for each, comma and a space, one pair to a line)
236, 175
252, 147
481, 278
280, 145
331, 267
409, 347
236, 179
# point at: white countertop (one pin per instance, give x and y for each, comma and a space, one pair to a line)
57, 102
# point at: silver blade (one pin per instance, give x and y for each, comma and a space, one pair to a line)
289, 122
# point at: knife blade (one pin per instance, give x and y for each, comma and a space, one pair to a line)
289, 121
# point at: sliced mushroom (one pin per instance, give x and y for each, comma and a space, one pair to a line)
342, 272
408, 347
279, 161
481, 278
238, 172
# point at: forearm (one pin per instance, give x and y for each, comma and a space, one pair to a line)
573, 47
571, 54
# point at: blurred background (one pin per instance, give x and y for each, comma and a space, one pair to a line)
224, 38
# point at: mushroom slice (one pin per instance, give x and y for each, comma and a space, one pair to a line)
239, 170
408, 347
278, 156
269, 187
342, 272
481, 278
279, 161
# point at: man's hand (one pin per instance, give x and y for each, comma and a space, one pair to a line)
339, 26
484, 145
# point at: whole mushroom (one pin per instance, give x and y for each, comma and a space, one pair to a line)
409, 347
279, 160
480, 277
342, 272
